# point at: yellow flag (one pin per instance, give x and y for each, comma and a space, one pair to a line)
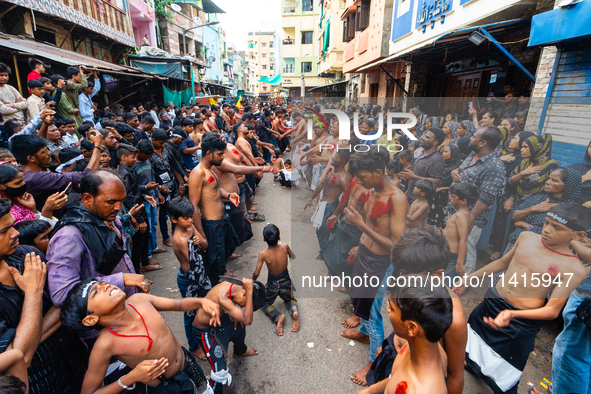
238, 105
212, 101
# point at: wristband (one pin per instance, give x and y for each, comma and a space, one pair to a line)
228, 196
124, 387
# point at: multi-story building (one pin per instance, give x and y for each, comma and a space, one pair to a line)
330, 49
143, 21
97, 28
300, 45
262, 60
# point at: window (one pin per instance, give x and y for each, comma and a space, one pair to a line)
264, 55
271, 44
264, 44
351, 26
362, 16
270, 67
306, 67
264, 66
288, 69
307, 37
307, 5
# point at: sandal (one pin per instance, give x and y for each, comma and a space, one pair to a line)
255, 217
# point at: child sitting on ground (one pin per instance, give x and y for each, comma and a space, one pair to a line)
34, 233
419, 209
463, 196
536, 266
278, 282
277, 163
285, 176
134, 332
187, 245
421, 316
230, 297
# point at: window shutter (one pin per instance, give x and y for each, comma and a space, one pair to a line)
364, 14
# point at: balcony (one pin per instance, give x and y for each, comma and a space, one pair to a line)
97, 15
289, 9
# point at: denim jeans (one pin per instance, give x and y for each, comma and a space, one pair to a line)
374, 327
571, 357
152, 213
182, 280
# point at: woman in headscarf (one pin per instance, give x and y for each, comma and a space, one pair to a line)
452, 157
512, 127
451, 135
584, 169
513, 157
466, 129
531, 174
464, 146
562, 186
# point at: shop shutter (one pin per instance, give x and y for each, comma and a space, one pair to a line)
568, 117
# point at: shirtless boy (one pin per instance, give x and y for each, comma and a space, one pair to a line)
419, 209
278, 282
536, 266
187, 244
206, 194
424, 251
463, 196
421, 317
134, 332
386, 207
214, 341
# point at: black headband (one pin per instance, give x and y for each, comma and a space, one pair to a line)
566, 222
83, 300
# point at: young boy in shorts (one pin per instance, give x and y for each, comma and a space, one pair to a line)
230, 297
463, 196
536, 267
419, 209
278, 282
188, 245
134, 332
421, 316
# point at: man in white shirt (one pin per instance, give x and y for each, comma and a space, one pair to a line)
85, 104
154, 114
12, 104
170, 111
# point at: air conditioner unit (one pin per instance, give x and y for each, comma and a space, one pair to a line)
197, 21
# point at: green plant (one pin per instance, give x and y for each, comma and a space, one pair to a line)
160, 9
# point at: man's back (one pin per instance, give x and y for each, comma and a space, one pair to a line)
276, 258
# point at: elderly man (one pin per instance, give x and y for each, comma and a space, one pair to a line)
52, 359
12, 103
89, 242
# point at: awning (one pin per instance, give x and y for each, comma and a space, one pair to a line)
217, 85
63, 56
564, 24
350, 9
209, 7
195, 3
451, 41
330, 84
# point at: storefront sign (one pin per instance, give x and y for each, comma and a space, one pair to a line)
431, 11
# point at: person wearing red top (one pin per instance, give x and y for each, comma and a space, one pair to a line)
38, 69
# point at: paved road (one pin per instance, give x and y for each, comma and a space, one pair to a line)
288, 365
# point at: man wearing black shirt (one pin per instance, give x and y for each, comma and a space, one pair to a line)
28, 318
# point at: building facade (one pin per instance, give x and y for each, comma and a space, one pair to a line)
262, 60
143, 21
300, 46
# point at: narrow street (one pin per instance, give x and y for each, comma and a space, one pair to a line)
288, 365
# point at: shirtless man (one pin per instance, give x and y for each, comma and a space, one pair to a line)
134, 332
230, 173
536, 266
384, 223
207, 197
208, 121
334, 181
230, 298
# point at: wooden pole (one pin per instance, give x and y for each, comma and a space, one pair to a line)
18, 78
123, 98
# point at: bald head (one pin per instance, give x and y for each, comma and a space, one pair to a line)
103, 192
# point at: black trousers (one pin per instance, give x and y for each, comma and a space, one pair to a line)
140, 250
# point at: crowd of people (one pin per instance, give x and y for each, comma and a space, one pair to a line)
86, 188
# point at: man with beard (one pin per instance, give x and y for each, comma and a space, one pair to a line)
89, 242
33, 155
486, 171
207, 196
427, 166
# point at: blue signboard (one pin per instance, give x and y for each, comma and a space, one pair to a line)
432, 11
